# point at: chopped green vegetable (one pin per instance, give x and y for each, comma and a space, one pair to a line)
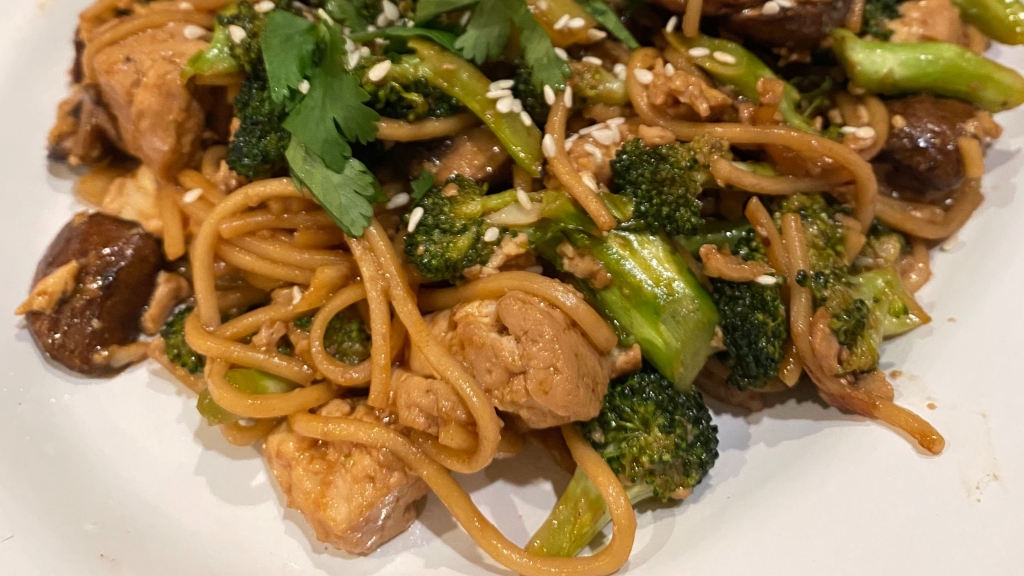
176, 348
1000, 20
610, 20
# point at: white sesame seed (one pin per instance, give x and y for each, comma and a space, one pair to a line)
193, 32
382, 20
670, 70
571, 140
185, 6
464, 19
618, 120
517, 105
592, 128
296, 295
770, 7
503, 84
524, 199
409, 23
371, 28
848, 129
591, 148
785, 3
765, 280
567, 97
525, 118
562, 22
671, 25
414, 218
391, 10
549, 95
303, 86
265, 6
491, 234
379, 71
397, 201
643, 76
595, 34
499, 94
949, 244
588, 179
192, 195
504, 105
723, 57
698, 52
898, 121
542, 5
364, 51
353, 59
548, 146
324, 16
534, 269
620, 70
237, 33
593, 60
605, 136
576, 23
865, 132
562, 53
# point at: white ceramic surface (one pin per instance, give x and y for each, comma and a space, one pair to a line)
118, 476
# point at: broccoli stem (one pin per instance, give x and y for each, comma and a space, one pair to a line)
461, 80
216, 60
743, 74
577, 517
1000, 20
934, 67
247, 380
653, 299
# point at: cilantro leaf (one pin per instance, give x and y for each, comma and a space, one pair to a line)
427, 9
347, 195
538, 52
289, 42
487, 31
442, 37
607, 17
422, 184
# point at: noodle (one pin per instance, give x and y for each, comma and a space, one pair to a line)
900, 214
429, 129
174, 228
380, 324
726, 173
211, 345
691, 18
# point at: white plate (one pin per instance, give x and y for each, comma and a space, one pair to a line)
118, 476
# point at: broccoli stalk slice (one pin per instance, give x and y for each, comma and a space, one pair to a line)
216, 60
933, 67
463, 81
578, 516
1000, 20
247, 380
743, 74
895, 308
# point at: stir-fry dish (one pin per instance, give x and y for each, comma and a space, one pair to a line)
388, 241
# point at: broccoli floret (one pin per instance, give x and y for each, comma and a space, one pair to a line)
877, 14
449, 237
530, 95
895, 309
224, 55
176, 348
345, 338
591, 84
258, 145
409, 101
658, 440
883, 247
754, 330
663, 182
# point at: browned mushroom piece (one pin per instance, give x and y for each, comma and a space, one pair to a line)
921, 158
800, 26
117, 264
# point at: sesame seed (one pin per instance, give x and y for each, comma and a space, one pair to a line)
588, 179
765, 280
865, 132
620, 70
785, 3
491, 234
562, 22
517, 105
595, 34
324, 16
643, 76
409, 23
364, 51
576, 23
265, 6
382, 20
185, 6
193, 32
592, 128
379, 71
504, 105
414, 218
770, 7
542, 5
549, 95
593, 60
397, 201
567, 97
192, 195
571, 140
296, 295
670, 70
618, 120
303, 86
605, 136
353, 58
525, 118
464, 19
534, 269
898, 121
548, 146
562, 53
671, 25
371, 28
848, 129
524, 199
591, 148
949, 244
237, 33
391, 10
502, 84
698, 52
723, 57
499, 94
